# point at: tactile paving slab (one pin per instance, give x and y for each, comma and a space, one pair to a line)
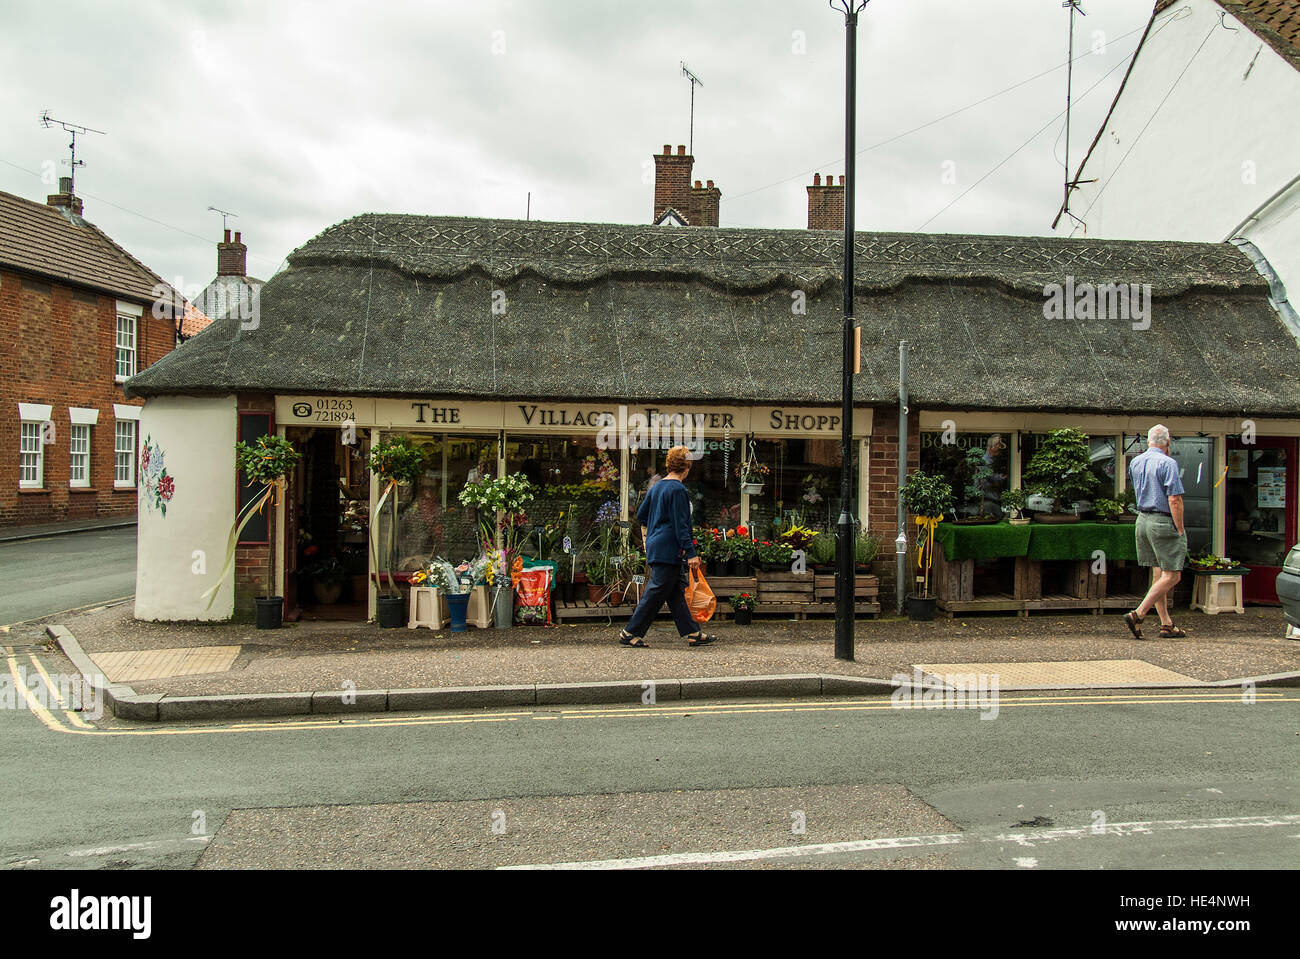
1096, 672
140, 664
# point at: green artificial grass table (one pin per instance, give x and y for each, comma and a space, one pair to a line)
1037, 541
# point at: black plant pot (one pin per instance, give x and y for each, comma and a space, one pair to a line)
389, 612
744, 567
921, 608
744, 617
270, 612
567, 592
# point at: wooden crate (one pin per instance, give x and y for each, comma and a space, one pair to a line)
785, 588
952, 580
1028, 579
724, 586
865, 586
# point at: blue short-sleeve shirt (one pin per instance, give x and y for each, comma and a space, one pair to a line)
1155, 477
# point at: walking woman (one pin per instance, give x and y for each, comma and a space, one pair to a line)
665, 518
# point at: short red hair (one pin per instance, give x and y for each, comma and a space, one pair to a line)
678, 460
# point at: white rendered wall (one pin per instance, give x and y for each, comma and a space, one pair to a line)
196, 439
1188, 175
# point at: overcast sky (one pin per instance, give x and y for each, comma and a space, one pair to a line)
297, 115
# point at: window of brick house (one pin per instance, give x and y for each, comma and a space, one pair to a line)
127, 333
79, 450
124, 453
31, 471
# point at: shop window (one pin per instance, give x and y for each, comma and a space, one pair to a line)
574, 478
1195, 456
1101, 456
712, 484
976, 465
803, 486
431, 520
252, 427
1257, 483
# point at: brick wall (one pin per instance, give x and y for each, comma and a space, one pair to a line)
59, 349
882, 482
673, 182
251, 569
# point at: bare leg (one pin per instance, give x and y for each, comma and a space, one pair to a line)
1157, 595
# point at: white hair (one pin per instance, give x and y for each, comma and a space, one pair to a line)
1158, 436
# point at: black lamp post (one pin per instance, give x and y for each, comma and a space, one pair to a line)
845, 583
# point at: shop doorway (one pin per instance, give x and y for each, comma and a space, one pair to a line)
328, 531
1260, 510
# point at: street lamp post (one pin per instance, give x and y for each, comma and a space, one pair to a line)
844, 594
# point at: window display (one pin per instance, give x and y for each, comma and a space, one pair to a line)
976, 466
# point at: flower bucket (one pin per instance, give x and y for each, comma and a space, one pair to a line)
921, 608
389, 612
503, 607
456, 604
269, 612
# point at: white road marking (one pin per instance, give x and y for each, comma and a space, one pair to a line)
1035, 837
130, 847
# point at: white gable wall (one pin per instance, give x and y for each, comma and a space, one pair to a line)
1188, 175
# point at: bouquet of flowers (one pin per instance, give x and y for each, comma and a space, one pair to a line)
742, 601
601, 467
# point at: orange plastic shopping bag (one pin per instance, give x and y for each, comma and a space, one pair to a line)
699, 597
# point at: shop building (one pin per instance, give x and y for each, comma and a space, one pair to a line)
509, 346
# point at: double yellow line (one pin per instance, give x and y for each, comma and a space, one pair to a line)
75, 724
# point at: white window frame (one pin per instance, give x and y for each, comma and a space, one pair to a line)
25, 431
80, 417
125, 414
127, 349
79, 458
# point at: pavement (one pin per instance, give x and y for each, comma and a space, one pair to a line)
207, 672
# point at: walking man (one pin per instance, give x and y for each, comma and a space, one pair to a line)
1161, 533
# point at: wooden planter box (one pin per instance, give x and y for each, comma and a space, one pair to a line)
865, 586
785, 587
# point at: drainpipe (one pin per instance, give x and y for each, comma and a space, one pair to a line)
1276, 291
901, 573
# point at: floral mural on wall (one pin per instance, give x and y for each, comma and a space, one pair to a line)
157, 487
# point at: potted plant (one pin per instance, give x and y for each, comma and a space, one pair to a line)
440, 574
798, 537
821, 552
267, 461
774, 557
753, 475
1129, 501
977, 489
394, 460
1061, 470
327, 579
929, 498
865, 549
598, 570
743, 604
1107, 510
1013, 504
743, 552
710, 550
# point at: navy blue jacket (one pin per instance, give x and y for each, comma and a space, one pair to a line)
666, 514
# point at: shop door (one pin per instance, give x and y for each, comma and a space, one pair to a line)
1260, 510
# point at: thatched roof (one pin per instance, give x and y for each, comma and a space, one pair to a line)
403, 305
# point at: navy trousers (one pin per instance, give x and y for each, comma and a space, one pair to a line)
667, 581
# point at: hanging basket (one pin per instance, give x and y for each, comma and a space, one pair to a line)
752, 489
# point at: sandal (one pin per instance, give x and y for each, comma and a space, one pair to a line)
700, 639
1132, 621
627, 639
1171, 632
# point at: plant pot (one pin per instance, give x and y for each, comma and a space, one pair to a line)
456, 605
728, 568
388, 611
503, 607
566, 592
921, 608
326, 593
744, 568
595, 592
744, 617
976, 521
753, 489
1128, 518
1019, 521
1056, 518
773, 567
616, 597
270, 612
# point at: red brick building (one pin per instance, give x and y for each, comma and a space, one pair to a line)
76, 319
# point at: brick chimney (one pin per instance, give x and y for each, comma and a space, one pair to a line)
826, 204
64, 201
673, 182
232, 258
705, 201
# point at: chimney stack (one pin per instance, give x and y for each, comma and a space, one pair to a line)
826, 204
697, 203
64, 201
705, 201
232, 258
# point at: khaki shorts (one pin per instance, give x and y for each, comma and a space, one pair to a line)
1159, 543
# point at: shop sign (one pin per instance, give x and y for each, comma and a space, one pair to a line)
323, 410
